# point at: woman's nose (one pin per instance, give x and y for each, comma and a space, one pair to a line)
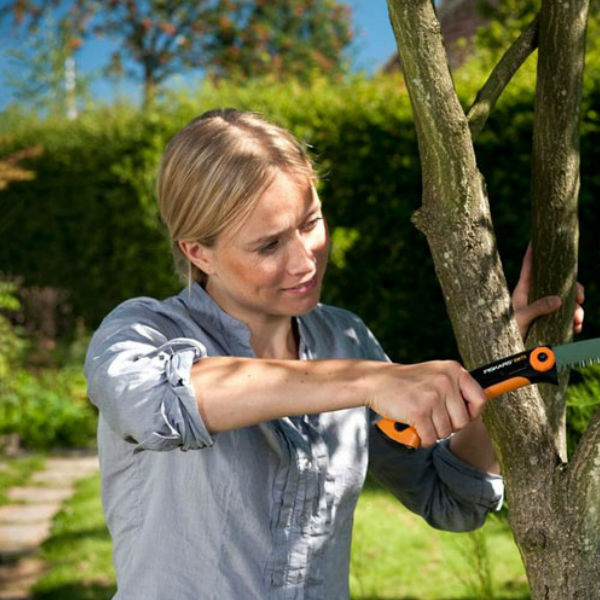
301, 258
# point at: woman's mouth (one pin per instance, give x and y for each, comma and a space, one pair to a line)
304, 287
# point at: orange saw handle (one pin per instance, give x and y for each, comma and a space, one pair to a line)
537, 365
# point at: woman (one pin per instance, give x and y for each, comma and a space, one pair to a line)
235, 418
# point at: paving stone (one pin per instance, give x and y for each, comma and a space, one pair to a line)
15, 537
15, 595
23, 527
17, 578
38, 495
63, 471
75, 464
23, 513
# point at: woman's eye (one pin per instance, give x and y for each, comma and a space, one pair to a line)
311, 224
269, 247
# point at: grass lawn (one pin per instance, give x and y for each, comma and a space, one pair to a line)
78, 551
396, 556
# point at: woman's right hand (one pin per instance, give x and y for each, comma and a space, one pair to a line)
436, 398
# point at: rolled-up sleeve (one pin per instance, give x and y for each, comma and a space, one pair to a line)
447, 492
140, 381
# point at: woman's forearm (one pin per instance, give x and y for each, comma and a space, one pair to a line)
436, 397
473, 445
237, 392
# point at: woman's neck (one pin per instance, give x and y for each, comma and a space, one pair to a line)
276, 339
271, 336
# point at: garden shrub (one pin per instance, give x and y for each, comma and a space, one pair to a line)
44, 407
583, 401
47, 409
11, 342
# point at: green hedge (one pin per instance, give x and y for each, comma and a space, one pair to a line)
47, 409
88, 222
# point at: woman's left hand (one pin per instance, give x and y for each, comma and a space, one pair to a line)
526, 313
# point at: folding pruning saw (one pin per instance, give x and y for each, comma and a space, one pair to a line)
537, 365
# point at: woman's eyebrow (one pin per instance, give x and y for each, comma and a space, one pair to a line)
315, 207
268, 237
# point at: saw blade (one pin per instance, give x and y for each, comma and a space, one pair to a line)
577, 354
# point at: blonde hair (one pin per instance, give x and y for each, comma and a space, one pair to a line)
215, 170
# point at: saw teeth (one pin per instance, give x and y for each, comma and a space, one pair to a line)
586, 363
578, 354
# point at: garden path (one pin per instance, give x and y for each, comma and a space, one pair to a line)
26, 523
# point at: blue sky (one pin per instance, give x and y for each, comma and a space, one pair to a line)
373, 46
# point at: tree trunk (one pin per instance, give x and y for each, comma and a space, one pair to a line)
555, 179
150, 84
553, 507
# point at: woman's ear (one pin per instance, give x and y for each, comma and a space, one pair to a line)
199, 255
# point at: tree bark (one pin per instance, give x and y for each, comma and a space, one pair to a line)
150, 84
555, 180
553, 508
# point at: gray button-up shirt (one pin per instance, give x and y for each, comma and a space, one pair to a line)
256, 513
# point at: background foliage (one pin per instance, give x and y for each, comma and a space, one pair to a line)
87, 223
43, 406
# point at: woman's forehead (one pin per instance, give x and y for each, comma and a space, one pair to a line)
283, 205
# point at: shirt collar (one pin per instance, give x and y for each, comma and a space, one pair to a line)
204, 310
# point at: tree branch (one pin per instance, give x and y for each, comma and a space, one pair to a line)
443, 135
503, 72
584, 485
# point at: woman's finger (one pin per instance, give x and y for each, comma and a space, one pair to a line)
473, 394
529, 313
459, 414
578, 319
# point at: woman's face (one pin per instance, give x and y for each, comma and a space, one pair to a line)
273, 265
